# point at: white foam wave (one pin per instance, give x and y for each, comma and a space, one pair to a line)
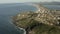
22, 29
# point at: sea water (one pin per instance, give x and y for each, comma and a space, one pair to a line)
8, 10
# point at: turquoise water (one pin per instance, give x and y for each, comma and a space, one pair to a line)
7, 10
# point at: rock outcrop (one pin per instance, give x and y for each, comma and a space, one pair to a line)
42, 21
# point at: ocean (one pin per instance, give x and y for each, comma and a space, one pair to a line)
8, 10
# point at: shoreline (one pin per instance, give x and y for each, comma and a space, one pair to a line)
18, 27
22, 29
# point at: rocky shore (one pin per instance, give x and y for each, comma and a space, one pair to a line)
43, 21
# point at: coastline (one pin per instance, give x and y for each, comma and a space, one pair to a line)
18, 27
22, 29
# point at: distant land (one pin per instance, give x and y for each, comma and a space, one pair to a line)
47, 3
51, 3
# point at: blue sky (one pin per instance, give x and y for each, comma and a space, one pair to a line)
21, 1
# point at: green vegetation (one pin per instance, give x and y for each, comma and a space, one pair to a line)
36, 25
26, 22
45, 29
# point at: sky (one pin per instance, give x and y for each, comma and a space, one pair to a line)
22, 1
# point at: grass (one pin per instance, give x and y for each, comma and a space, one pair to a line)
45, 29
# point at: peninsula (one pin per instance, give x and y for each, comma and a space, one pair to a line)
42, 21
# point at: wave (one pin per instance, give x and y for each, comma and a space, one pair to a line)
22, 29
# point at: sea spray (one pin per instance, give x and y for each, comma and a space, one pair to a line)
22, 29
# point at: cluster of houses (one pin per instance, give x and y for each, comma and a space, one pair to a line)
43, 15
